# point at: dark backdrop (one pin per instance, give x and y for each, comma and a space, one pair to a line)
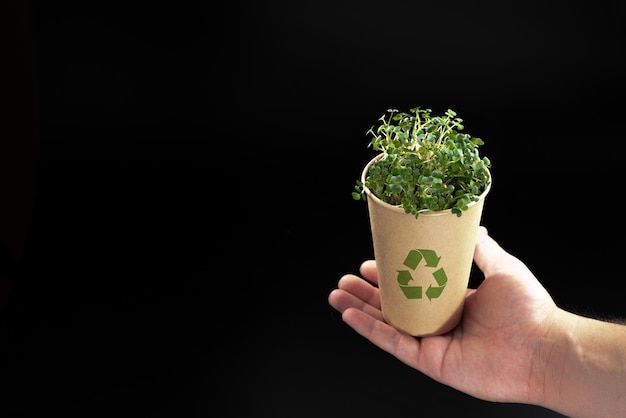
176, 191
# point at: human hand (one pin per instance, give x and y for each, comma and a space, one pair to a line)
491, 353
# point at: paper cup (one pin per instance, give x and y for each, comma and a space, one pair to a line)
423, 263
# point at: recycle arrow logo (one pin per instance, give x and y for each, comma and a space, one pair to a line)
412, 261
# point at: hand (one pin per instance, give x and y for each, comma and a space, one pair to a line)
491, 353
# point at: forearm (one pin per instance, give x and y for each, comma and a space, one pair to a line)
585, 367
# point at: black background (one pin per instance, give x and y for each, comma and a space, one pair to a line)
177, 178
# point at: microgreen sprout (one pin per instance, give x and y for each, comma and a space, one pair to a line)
425, 162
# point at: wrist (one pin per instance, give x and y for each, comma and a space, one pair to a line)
581, 366
551, 358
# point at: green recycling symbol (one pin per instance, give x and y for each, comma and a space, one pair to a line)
412, 261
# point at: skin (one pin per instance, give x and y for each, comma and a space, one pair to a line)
514, 344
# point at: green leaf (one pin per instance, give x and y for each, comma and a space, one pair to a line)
428, 163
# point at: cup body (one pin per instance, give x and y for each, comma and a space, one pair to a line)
423, 263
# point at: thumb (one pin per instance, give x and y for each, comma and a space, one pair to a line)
488, 254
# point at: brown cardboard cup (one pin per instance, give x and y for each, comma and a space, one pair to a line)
423, 263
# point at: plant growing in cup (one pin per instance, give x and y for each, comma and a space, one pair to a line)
425, 191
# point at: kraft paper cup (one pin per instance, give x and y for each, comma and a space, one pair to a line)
423, 263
